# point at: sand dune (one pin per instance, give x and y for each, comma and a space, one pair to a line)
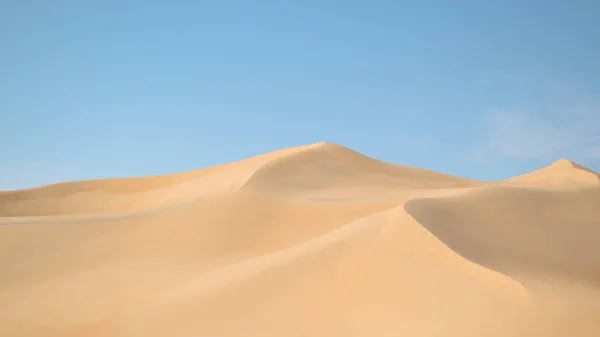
317, 240
561, 173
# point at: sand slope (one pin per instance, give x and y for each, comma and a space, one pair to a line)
317, 240
561, 173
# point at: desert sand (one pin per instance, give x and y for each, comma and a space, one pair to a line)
316, 240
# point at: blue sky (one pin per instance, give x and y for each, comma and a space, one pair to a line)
486, 89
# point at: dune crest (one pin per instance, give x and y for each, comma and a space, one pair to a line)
327, 165
562, 172
316, 240
317, 166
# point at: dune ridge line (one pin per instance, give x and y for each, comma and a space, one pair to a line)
316, 240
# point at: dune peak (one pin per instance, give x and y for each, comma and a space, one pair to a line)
563, 171
328, 144
569, 164
303, 241
324, 143
563, 163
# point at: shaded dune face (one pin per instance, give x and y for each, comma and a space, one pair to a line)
109, 196
317, 167
326, 166
561, 173
550, 235
316, 240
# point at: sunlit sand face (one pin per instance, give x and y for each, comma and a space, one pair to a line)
316, 240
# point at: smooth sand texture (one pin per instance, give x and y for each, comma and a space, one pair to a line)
317, 240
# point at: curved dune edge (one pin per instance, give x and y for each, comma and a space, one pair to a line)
311, 241
321, 165
123, 195
562, 172
526, 233
545, 238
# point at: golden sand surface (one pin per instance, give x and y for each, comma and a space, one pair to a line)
317, 240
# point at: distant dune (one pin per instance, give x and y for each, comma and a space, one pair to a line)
561, 173
317, 240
